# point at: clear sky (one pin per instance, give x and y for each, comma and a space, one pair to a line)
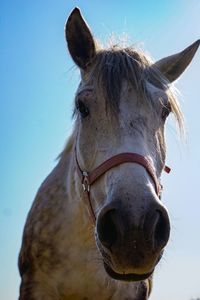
37, 85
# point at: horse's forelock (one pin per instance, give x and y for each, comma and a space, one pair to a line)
114, 65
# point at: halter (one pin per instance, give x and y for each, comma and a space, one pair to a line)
89, 178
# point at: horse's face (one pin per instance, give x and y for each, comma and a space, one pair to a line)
132, 225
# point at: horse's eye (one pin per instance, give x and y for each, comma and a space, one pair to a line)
165, 112
83, 109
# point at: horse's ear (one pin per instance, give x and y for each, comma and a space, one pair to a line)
80, 41
173, 66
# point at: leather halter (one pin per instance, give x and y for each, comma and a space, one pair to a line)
89, 178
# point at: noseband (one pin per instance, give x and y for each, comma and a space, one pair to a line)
89, 178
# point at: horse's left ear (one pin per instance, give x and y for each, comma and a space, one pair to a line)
173, 66
80, 41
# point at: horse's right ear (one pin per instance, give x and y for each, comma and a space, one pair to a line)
80, 41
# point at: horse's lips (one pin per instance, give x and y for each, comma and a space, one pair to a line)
126, 277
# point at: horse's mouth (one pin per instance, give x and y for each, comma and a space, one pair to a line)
126, 277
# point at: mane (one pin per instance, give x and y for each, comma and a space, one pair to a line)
116, 63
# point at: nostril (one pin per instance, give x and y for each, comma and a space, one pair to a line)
162, 229
106, 228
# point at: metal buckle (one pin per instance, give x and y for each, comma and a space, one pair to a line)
160, 190
85, 182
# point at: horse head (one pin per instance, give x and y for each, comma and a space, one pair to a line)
121, 106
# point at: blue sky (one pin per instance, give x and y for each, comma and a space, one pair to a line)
37, 84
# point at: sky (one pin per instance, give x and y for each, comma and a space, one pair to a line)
37, 85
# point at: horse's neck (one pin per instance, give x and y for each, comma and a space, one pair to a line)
77, 212
80, 242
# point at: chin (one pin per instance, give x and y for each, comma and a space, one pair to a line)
129, 266
126, 276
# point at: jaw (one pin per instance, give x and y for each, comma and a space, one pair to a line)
122, 276
126, 277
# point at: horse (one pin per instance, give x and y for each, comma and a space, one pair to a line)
97, 227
